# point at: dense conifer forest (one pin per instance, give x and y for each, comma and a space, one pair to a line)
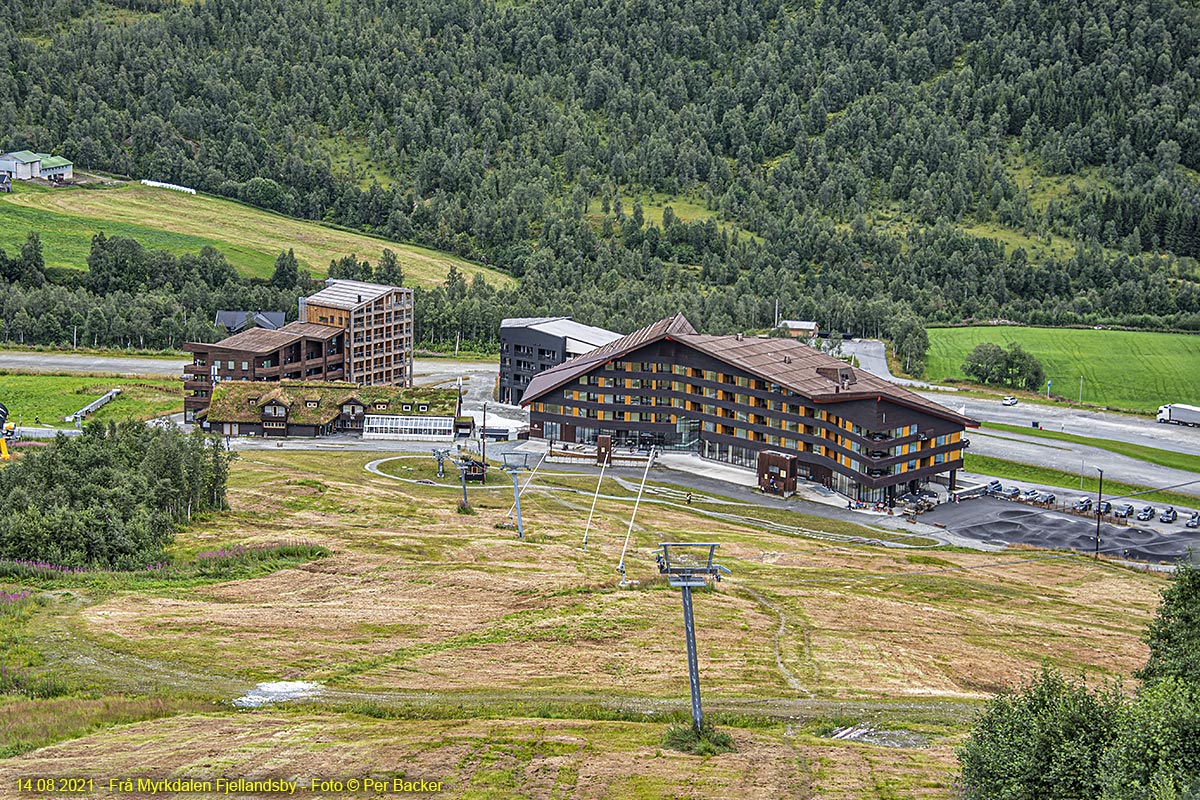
869, 165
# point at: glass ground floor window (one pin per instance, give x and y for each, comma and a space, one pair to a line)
730, 453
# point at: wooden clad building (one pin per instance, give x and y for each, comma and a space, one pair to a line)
297, 351
731, 397
378, 321
349, 331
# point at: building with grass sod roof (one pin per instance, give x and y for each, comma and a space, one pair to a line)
311, 409
350, 331
775, 405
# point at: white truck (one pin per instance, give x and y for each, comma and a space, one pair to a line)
1179, 413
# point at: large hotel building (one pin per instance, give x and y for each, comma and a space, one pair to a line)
349, 331
730, 398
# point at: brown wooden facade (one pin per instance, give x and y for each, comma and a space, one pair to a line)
852, 432
297, 351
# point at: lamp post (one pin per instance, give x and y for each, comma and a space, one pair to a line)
1080, 390
1099, 497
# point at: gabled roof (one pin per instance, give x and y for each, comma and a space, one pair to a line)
786, 362
257, 340
551, 378
24, 156
805, 371
261, 341
234, 321
348, 294
53, 162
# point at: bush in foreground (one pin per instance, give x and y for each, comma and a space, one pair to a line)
110, 498
1054, 738
706, 742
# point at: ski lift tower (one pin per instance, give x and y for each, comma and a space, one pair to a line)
513, 464
690, 566
468, 467
440, 454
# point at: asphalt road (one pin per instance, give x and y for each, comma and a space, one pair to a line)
1076, 459
70, 362
872, 358
1098, 424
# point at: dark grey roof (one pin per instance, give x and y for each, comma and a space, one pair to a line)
236, 321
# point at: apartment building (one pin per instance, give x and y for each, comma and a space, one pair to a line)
732, 398
351, 331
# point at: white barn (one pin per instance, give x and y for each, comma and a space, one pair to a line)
25, 165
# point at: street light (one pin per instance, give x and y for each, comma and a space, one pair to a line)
1099, 497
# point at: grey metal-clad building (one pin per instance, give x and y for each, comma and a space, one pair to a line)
532, 345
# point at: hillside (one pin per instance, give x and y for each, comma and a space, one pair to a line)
68, 218
444, 647
863, 165
1137, 370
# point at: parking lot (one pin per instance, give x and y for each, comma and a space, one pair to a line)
996, 521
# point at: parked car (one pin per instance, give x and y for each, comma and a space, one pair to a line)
1009, 401
1012, 493
1105, 507
1194, 520
1082, 504
1047, 498
994, 487
1124, 510
1169, 515
1146, 513
1029, 495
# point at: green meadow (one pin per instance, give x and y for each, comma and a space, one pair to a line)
1135, 370
66, 219
49, 398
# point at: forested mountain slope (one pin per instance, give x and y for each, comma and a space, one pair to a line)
864, 163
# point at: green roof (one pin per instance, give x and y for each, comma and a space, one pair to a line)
25, 156
54, 162
231, 400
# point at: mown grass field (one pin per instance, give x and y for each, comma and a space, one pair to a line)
448, 650
1135, 370
68, 218
49, 398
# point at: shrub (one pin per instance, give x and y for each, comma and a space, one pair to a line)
1042, 742
706, 742
1156, 753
